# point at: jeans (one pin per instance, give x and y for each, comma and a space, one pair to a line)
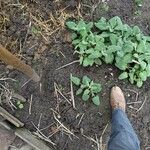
123, 136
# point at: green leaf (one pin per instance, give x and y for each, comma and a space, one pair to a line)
79, 91
141, 47
98, 61
75, 80
96, 100
20, 106
136, 30
128, 47
86, 80
86, 95
143, 75
71, 25
89, 26
81, 25
88, 62
113, 39
102, 24
143, 64
96, 88
109, 58
95, 54
124, 75
139, 83
148, 70
113, 22
131, 77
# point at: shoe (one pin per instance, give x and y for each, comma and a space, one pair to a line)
117, 99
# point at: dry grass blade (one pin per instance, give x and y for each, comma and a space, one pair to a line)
142, 105
39, 132
57, 90
63, 126
72, 93
42, 136
101, 138
30, 104
76, 61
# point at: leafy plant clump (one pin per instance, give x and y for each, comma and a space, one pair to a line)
113, 42
88, 89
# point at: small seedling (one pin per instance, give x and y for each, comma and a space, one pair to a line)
88, 89
139, 3
20, 105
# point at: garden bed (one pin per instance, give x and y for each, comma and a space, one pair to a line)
35, 31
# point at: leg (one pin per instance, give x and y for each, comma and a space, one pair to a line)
123, 136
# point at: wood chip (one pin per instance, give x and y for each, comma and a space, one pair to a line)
26, 136
10, 118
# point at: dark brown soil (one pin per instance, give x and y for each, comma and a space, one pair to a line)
45, 53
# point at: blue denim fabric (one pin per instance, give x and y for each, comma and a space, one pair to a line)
123, 136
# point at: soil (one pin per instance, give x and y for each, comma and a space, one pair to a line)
46, 52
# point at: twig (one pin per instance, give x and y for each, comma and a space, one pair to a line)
76, 61
30, 106
80, 119
72, 93
142, 105
63, 96
58, 90
39, 121
26, 82
91, 139
133, 108
136, 102
41, 135
65, 128
4, 79
101, 138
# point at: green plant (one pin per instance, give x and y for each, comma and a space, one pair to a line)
113, 42
88, 89
20, 105
139, 3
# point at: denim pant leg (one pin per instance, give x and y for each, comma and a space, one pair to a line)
123, 136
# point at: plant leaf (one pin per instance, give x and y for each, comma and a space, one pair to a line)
124, 75
96, 88
86, 95
71, 25
139, 83
75, 80
86, 80
96, 100
79, 91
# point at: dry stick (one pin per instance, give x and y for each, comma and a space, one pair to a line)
136, 102
30, 106
101, 138
41, 135
80, 119
12, 60
72, 94
66, 129
58, 90
68, 64
142, 105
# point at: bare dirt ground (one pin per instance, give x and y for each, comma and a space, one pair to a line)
35, 31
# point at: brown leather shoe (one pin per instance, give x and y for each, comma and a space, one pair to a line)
117, 99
